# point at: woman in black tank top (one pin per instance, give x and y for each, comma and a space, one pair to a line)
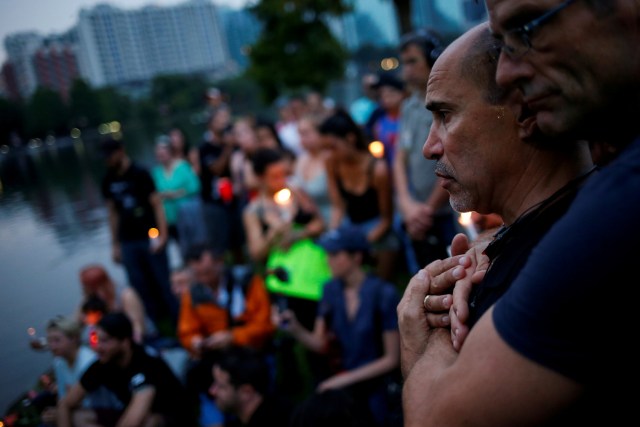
360, 189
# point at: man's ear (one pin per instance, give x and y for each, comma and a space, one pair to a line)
527, 123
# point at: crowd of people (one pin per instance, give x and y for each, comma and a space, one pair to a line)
292, 248
297, 238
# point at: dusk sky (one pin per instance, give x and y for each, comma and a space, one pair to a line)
56, 16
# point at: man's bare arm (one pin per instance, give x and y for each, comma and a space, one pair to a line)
486, 384
138, 409
68, 403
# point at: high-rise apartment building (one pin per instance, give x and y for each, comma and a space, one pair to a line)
120, 46
8, 82
20, 49
242, 29
474, 11
55, 64
372, 22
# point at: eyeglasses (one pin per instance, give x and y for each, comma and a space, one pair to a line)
517, 42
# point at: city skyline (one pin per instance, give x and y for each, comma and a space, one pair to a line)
47, 17
108, 44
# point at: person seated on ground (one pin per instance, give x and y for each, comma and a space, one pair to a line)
71, 358
224, 307
357, 313
243, 391
181, 280
138, 388
96, 282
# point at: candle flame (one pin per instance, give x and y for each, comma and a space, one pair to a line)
377, 149
154, 233
465, 218
282, 197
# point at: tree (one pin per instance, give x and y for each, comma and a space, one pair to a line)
296, 49
113, 105
46, 113
84, 105
177, 94
11, 120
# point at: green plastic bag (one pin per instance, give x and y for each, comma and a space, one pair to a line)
305, 264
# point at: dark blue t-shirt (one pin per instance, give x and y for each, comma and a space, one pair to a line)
360, 338
572, 308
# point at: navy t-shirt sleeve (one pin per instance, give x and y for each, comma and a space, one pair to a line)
565, 310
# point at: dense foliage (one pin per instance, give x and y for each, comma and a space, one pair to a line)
296, 49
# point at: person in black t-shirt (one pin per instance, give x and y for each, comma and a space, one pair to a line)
135, 214
134, 387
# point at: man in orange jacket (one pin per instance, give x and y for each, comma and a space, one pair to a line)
225, 307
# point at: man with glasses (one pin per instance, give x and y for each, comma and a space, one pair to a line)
545, 354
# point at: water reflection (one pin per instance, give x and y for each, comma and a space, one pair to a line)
52, 222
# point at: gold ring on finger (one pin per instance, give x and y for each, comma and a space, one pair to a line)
424, 302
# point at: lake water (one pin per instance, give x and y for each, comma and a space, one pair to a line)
53, 221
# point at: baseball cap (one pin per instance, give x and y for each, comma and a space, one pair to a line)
117, 325
388, 79
346, 238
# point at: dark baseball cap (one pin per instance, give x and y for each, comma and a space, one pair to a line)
117, 325
388, 79
109, 146
348, 238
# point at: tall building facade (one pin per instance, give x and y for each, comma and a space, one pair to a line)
437, 15
20, 49
9, 83
242, 29
119, 46
474, 12
55, 64
371, 22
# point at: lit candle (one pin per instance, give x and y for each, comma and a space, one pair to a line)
376, 148
154, 233
469, 226
283, 200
